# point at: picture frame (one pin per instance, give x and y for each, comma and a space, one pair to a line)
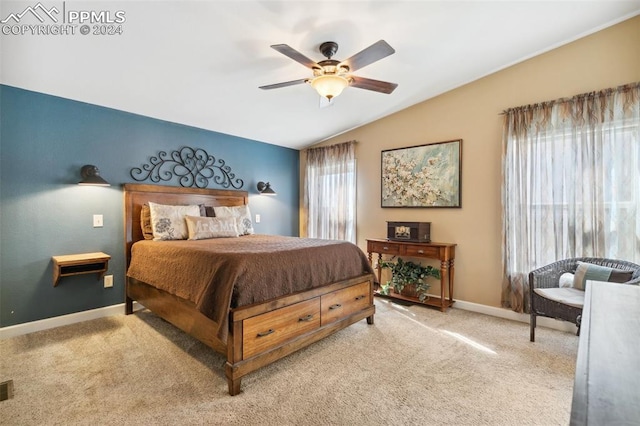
422, 176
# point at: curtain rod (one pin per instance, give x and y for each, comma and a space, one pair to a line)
593, 94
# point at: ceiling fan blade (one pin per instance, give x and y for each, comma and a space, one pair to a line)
371, 54
285, 84
375, 85
295, 55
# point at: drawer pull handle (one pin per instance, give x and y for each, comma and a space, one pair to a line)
362, 296
305, 318
385, 248
336, 306
266, 333
420, 251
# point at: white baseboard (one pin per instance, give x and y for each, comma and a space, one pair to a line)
45, 324
515, 316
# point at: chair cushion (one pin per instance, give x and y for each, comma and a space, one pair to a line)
568, 296
589, 271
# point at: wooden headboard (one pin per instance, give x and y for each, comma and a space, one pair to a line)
135, 195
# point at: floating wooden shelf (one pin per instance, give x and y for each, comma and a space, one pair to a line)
77, 264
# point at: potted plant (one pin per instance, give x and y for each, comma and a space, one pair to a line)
407, 274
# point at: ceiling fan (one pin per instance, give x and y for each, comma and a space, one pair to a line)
331, 77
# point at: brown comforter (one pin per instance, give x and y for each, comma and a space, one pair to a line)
224, 273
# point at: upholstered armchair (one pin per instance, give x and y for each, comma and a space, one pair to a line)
548, 298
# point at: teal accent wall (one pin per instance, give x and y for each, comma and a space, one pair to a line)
45, 140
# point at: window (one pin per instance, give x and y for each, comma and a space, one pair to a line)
571, 186
330, 192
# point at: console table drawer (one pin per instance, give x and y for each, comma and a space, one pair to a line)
421, 251
382, 247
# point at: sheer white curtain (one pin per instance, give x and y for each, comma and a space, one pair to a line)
571, 183
330, 192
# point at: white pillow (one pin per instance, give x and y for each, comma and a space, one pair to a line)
242, 214
167, 222
201, 228
566, 280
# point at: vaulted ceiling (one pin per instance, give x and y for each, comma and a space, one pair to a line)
200, 63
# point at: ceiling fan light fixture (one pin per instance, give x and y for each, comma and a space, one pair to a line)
330, 85
330, 76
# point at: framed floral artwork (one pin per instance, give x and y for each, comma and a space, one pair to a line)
422, 176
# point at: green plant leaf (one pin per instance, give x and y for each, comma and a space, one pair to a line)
407, 272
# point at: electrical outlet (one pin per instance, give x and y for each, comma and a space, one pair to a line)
257, 218
108, 281
97, 221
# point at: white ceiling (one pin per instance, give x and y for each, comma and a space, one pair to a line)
200, 63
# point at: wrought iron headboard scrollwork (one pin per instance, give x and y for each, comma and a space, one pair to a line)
193, 167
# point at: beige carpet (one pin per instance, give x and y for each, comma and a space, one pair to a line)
415, 366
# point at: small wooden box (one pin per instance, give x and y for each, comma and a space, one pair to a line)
419, 232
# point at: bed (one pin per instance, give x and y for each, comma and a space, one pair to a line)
256, 330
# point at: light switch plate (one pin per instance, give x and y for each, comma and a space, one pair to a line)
257, 218
108, 281
97, 221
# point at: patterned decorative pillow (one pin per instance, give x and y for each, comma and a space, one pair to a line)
145, 219
201, 228
242, 214
590, 272
167, 222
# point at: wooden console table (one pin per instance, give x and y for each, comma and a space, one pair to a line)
445, 252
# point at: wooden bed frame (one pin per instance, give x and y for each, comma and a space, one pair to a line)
259, 334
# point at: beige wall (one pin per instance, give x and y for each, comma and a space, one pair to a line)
605, 59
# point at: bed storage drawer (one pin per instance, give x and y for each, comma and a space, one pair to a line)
342, 303
271, 329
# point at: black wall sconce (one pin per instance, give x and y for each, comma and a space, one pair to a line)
91, 176
265, 188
